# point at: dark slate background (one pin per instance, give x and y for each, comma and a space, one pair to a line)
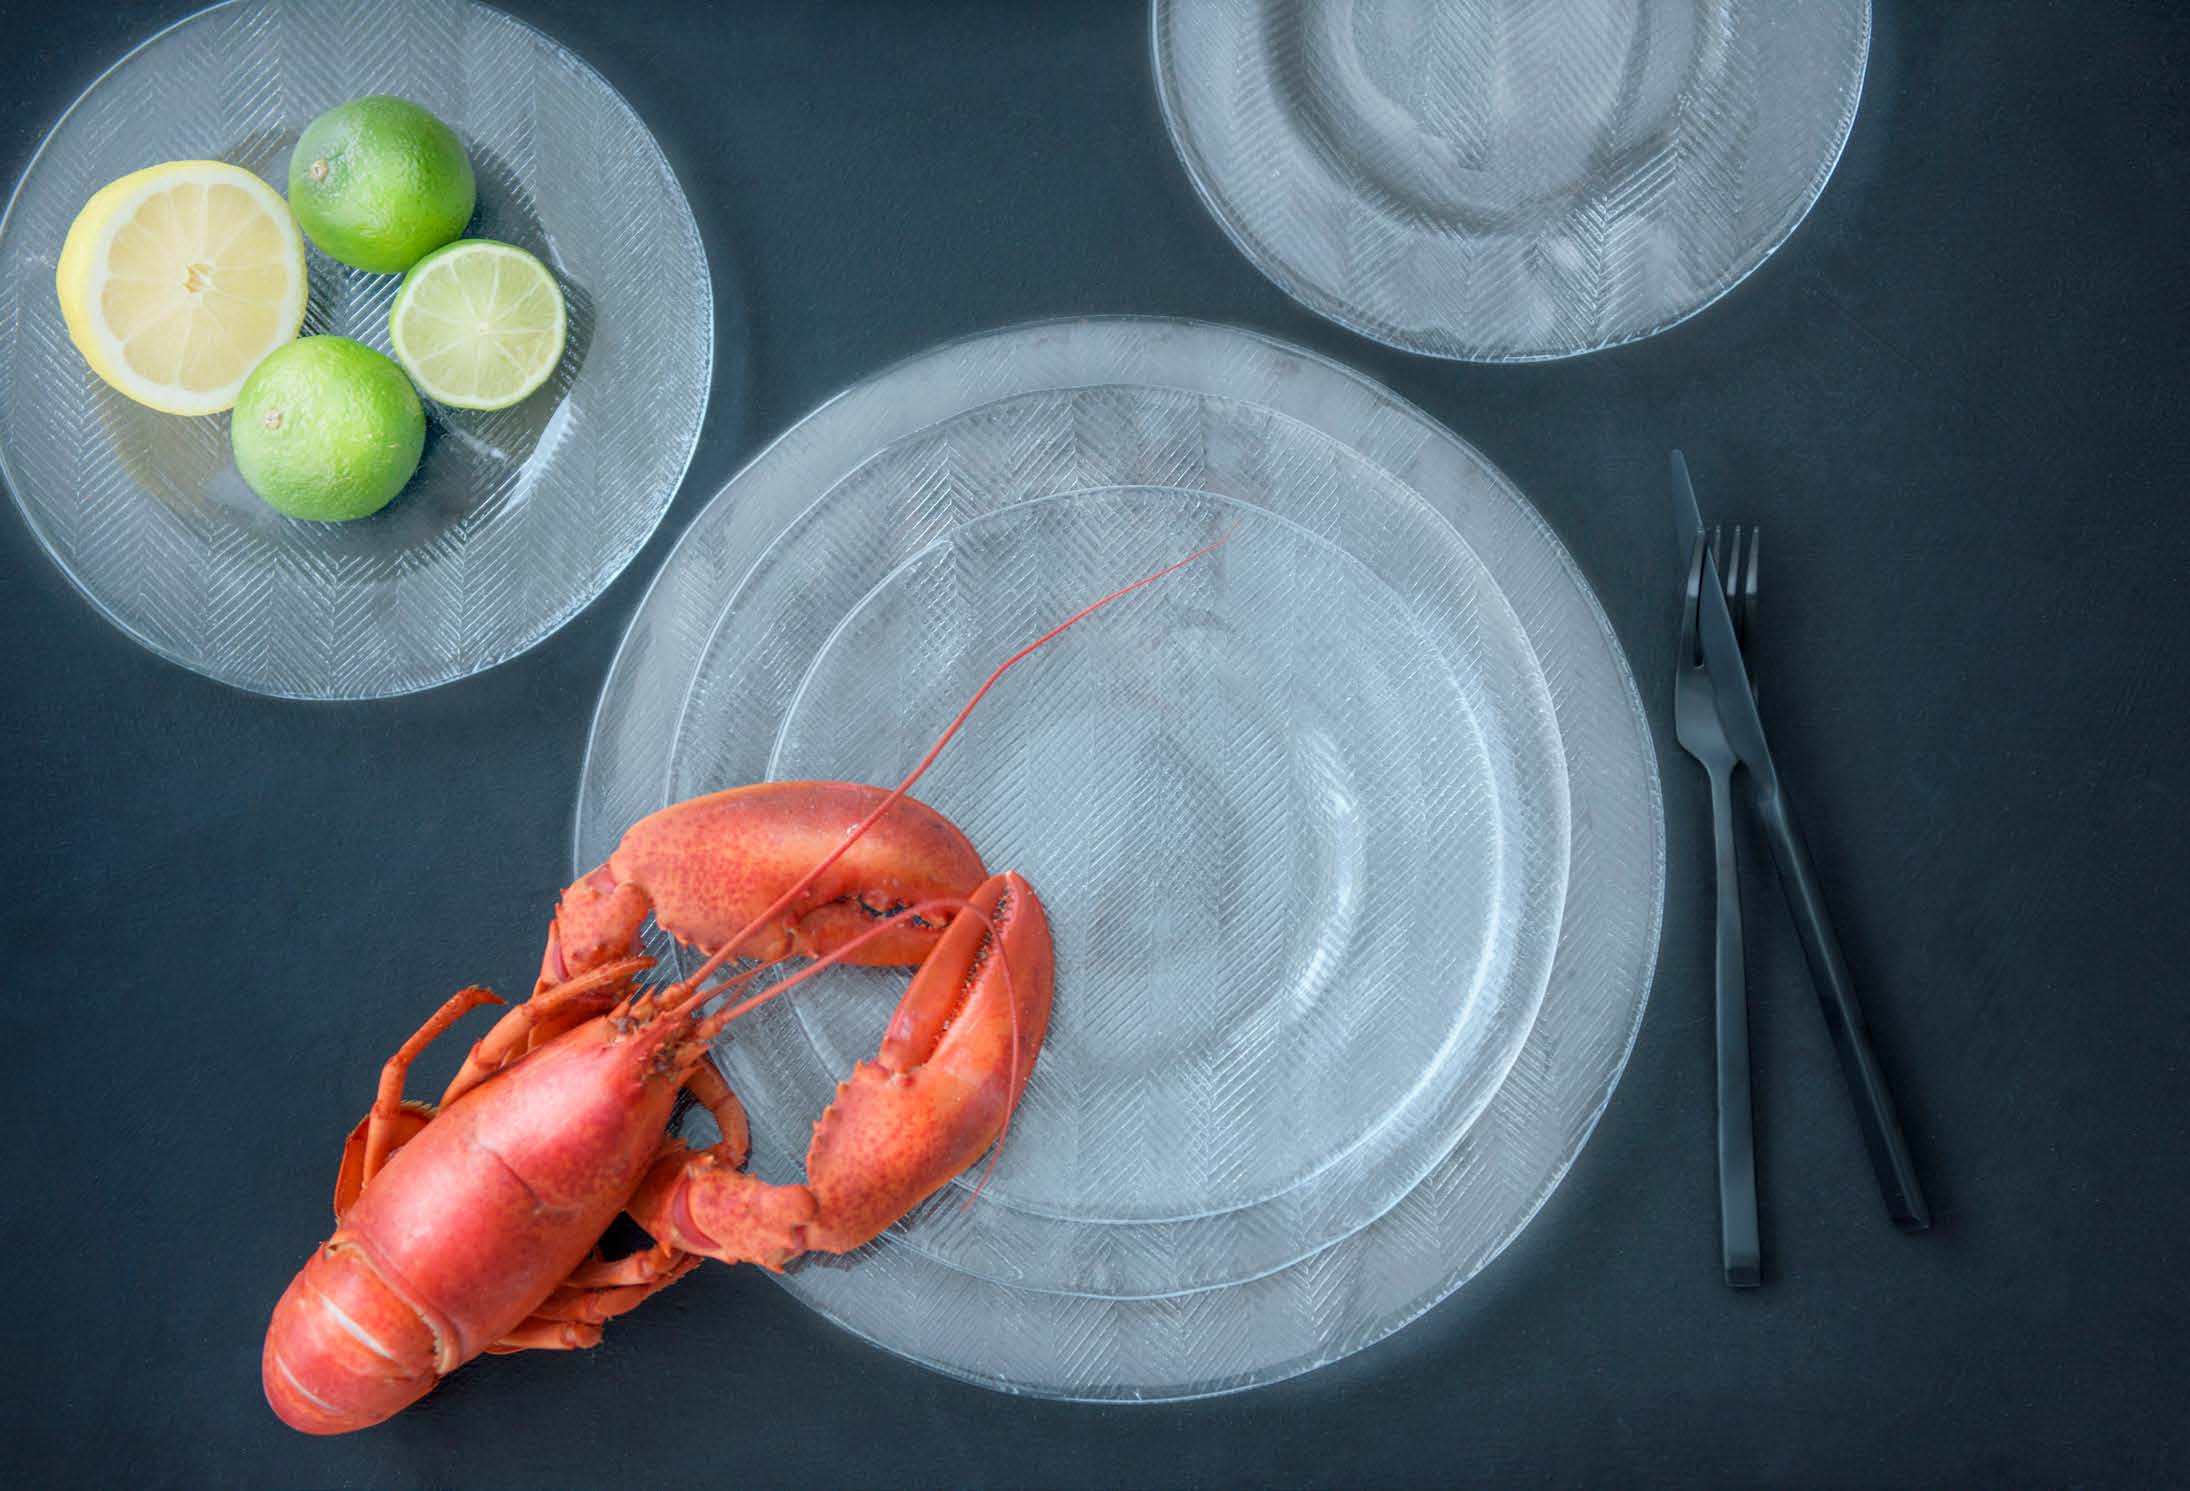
1953, 401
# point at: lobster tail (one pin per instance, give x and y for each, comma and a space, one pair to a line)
344, 1350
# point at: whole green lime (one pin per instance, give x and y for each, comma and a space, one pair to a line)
379, 183
327, 429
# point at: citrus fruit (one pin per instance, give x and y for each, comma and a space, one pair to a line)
379, 183
327, 429
478, 325
175, 280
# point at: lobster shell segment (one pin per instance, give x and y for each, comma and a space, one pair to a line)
347, 1350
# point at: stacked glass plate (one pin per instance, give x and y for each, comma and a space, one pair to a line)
1349, 834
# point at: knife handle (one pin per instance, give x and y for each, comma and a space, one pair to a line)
1874, 1112
1739, 1254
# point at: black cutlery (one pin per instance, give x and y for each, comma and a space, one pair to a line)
1743, 732
1696, 722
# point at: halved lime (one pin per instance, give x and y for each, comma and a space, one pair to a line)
478, 324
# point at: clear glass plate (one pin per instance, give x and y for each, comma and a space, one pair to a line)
516, 519
1299, 812
917, 1291
1509, 180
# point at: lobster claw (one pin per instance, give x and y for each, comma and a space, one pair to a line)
706, 868
957, 1055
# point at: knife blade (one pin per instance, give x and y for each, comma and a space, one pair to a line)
1737, 710
1721, 650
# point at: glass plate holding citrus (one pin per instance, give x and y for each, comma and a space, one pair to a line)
246, 544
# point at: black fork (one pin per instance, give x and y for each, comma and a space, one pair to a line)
1696, 723
1738, 571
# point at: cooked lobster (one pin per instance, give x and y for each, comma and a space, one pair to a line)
474, 1225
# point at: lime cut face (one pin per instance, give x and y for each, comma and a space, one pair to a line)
479, 324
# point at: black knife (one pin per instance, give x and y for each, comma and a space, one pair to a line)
1737, 707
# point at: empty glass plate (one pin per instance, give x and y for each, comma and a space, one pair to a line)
516, 519
1509, 180
1289, 809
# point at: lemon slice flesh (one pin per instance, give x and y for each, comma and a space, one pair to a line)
478, 324
177, 280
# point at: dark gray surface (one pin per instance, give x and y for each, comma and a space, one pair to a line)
1952, 401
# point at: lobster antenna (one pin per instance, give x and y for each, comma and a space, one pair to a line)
783, 902
738, 980
712, 1026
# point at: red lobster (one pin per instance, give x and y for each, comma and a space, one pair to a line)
474, 1226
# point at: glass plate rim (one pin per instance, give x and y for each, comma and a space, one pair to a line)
568, 614
1648, 931
1533, 974
1332, 308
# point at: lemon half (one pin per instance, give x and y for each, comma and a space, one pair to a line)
177, 280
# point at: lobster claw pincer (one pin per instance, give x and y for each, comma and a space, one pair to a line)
958, 1052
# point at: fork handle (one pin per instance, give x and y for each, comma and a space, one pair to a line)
1738, 1248
1866, 1080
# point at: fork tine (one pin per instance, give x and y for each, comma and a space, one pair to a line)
1749, 580
1729, 569
1727, 551
1745, 607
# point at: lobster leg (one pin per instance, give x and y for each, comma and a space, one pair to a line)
594, 1306
714, 1094
632, 1268
571, 1318
392, 1122
553, 1009
381, 1123
535, 1334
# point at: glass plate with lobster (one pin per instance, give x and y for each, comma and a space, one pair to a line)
1293, 819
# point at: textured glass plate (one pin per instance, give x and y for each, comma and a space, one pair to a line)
516, 519
1358, 1288
1509, 180
1298, 814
